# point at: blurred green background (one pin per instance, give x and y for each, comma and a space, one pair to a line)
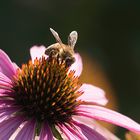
109, 32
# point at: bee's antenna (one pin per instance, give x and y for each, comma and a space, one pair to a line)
55, 34
72, 38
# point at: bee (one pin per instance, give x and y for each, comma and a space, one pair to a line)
63, 51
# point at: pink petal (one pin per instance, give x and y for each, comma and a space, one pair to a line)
5, 103
46, 133
4, 78
5, 87
6, 112
96, 127
92, 94
6, 66
101, 113
8, 127
88, 132
6, 91
15, 66
77, 66
37, 52
70, 133
27, 132
5, 83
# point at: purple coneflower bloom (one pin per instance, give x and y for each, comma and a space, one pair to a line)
44, 99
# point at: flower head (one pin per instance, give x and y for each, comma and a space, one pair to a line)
44, 99
45, 91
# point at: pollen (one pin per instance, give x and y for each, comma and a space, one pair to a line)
46, 91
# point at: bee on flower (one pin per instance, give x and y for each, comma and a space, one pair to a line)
44, 98
64, 52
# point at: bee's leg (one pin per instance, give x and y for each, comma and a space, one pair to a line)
51, 52
59, 59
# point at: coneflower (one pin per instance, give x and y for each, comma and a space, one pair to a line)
44, 99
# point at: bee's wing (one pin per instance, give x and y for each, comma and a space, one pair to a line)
72, 39
55, 34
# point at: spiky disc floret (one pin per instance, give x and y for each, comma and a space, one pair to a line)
46, 91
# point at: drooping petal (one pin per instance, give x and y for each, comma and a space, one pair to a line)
101, 113
6, 102
96, 127
92, 94
27, 132
37, 52
6, 66
88, 132
4, 78
6, 112
4, 86
77, 66
6, 91
5, 83
70, 133
8, 127
8, 109
46, 133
